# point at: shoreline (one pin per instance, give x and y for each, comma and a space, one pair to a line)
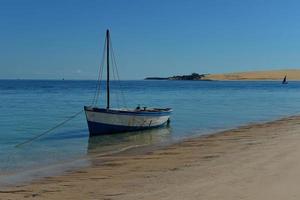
198, 160
263, 75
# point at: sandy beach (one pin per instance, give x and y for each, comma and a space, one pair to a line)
258, 161
292, 74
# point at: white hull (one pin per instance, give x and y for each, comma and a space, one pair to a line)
102, 121
126, 120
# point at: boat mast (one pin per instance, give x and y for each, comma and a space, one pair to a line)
107, 68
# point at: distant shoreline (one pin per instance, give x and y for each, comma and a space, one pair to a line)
166, 79
191, 77
271, 75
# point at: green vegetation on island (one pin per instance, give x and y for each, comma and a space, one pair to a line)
193, 77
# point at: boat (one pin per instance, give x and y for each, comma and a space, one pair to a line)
284, 81
109, 120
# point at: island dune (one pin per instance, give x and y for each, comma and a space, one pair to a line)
259, 161
292, 74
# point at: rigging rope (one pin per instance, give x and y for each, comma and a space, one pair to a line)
100, 73
117, 73
115, 94
49, 130
114, 77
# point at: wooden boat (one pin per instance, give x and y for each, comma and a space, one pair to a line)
284, 81
115, 120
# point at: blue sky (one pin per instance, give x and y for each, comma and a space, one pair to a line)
42, 39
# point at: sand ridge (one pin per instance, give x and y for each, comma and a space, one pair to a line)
292, 74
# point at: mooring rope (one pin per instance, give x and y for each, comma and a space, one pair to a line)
49, 130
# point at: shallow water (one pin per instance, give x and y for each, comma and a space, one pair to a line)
30, 107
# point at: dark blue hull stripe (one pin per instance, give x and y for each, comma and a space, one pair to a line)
96, 128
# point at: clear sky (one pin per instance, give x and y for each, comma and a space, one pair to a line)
54, 39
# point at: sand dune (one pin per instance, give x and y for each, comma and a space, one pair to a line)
292, 74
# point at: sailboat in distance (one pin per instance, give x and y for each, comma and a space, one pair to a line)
116, 120
284, 81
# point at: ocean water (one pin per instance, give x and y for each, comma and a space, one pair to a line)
30, 107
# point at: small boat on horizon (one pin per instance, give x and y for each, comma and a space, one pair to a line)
284, 81
116, 120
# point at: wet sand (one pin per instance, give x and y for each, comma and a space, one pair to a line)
259, 161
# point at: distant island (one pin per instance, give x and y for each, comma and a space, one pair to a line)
292, 74
191, 77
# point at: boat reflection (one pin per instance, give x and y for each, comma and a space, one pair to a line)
109, 144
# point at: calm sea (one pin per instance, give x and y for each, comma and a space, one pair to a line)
29, 108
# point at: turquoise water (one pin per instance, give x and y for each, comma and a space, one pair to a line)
31, 107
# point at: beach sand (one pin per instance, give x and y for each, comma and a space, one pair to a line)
292, 74
258, 161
